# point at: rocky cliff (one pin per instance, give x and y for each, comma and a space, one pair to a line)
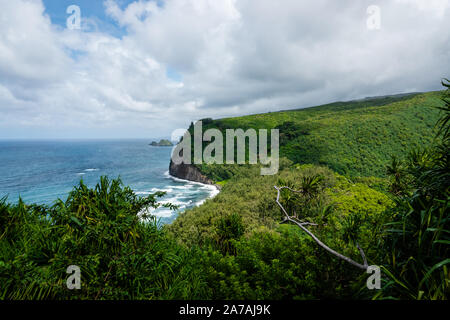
188, 172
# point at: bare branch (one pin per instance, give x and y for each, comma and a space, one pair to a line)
362, 254
320, 243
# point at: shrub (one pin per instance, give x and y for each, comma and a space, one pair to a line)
101, 230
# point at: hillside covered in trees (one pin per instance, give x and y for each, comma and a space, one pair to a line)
355, 138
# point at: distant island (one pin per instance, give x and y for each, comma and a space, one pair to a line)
162, 143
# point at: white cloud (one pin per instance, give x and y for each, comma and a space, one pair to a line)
234, 57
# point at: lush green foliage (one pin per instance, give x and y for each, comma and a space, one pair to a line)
279, 264
354, 138
123, 254
418, 238
101, 231
276, 261
253, 197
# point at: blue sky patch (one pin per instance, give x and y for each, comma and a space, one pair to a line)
92, 10
173, 74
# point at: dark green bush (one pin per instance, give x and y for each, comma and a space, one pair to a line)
418, 238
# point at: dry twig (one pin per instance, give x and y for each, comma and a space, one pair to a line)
302, 225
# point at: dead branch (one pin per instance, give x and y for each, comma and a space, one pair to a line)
302, 225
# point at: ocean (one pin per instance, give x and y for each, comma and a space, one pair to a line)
43, 171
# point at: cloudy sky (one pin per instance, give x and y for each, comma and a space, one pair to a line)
145, 68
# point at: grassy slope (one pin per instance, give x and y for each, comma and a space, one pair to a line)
353, 138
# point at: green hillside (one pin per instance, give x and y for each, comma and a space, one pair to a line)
341, 152
355, 138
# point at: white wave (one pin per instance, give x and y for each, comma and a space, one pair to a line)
180, 195
160, 212
142, 193
189, 182
163, 213
213, 192
153, 190
212, 189
181, 187
175, 201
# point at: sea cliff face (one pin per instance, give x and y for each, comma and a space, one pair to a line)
188, 172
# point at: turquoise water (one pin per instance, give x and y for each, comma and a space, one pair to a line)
43, 171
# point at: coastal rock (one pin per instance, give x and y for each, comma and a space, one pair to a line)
188, 172
162, 143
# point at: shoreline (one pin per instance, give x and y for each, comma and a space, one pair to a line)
213, 194
213, 191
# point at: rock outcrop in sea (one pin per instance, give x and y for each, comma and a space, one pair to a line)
162, 143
